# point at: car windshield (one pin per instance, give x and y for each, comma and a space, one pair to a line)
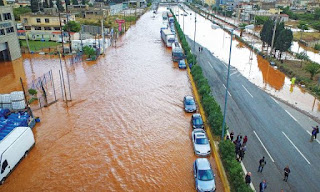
190, 102
201, 141
205, 175
197, 121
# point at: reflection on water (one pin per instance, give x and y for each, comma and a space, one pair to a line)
249, 64
125, 129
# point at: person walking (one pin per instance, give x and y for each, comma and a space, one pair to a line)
286, 173
245, 140
263, 186
262, 163
313, 134
231, 135
248, 178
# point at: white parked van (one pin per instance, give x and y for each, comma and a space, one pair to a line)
13, 148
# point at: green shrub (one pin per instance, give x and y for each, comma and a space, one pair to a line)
317, 47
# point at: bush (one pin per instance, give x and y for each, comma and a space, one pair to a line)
317, 47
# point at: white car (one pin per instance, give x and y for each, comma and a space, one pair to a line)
200, 142
203, 175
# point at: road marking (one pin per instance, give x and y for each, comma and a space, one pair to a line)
263, 146
245, 172
247, 91
226, 88
210, 64
296, 148
233, 73
291, 116
275, 100
310, 135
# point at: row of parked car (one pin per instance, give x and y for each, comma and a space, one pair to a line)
202, 170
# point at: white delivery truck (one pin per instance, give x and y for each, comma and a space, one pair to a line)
13, 148
168, 37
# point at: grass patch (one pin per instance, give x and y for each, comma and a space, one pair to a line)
312, 36
38, 45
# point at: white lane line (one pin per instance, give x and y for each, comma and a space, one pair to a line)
245, 172
296, 148
228, 91
263, 146
233, 73
310, 135
210, 64
291, 116
275, 100
247, 91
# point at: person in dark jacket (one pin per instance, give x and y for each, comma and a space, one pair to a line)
248, 178
231, 135
241, 154
263, 186
286, 173
262, 163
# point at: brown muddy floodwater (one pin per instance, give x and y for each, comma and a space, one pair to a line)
125, 129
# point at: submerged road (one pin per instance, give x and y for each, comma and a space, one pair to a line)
125, 129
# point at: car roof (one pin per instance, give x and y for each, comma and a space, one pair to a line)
188, 97
203, 164
196, 115
181, 61
200, 135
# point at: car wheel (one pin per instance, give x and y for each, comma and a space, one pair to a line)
2, 181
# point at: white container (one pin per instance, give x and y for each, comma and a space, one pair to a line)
18, 105
6, 99
7, 106
0, 99
16, 96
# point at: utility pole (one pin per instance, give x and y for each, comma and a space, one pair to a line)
69, 30
26, 36
274, 32
194, 38
61, 34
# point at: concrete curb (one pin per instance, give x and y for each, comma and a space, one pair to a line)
215, 153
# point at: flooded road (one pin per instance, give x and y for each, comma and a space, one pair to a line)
250, 65
125, 129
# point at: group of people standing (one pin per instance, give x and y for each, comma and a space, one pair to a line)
240, 148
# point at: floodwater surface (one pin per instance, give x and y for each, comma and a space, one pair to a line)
125, 129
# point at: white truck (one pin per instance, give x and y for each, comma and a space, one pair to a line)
168, 37
13, 148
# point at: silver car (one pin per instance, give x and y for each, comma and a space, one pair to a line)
189, 104
200, 142
203, 175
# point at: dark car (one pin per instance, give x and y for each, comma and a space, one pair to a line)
182, 64
189, 104
196, 121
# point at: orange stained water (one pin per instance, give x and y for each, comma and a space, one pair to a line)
253, 67
125, 129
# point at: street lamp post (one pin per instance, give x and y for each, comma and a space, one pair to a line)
228, 79
194, 38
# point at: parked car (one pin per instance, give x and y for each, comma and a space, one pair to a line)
189, 104
182, 64
272, 63
203, 175
200, 142
196, 121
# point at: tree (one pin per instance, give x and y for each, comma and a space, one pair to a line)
284, 41
45, 4
50, 3
59, 6
302, 56
317, 14
34, 6
19, 11
303, 25
1, 3
313, 68
266, 32
242, 28
316, 25
67, 2
75, 2
89, 51
73, 26
260, 20
83, 2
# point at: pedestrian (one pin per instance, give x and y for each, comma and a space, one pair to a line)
199, 49
313, 134
248, 178
263, 185
286, 173
262, 163
241, 155
227, 138
315, 131
245, 140
231, 135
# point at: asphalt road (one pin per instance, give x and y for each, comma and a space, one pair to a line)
274, 130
